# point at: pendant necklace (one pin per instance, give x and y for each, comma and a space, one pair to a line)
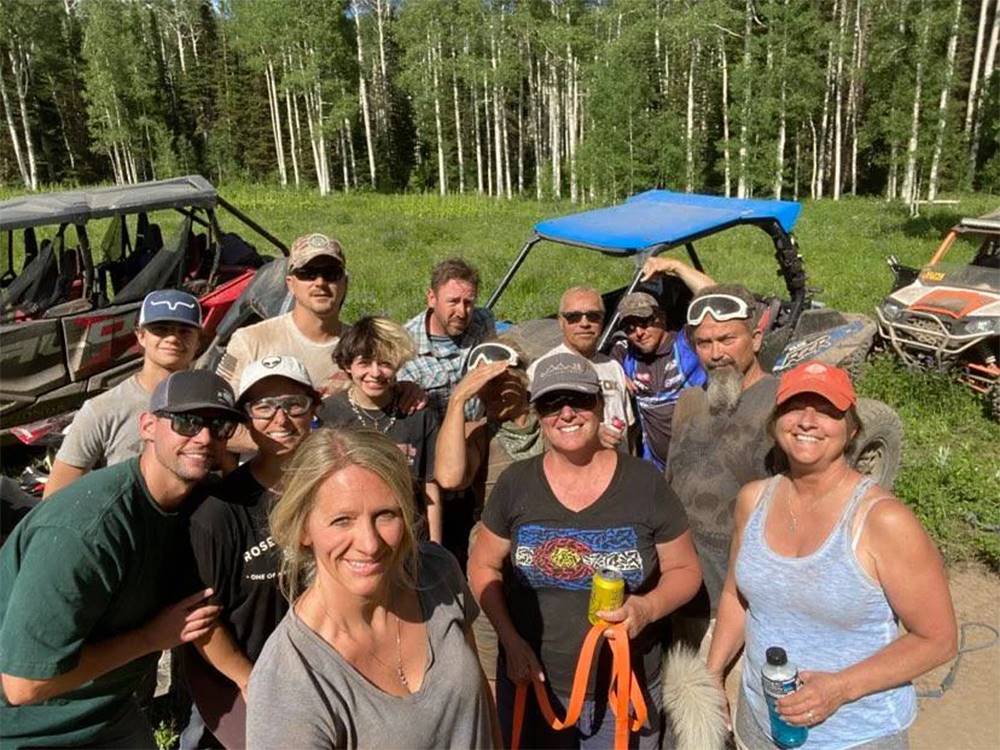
793, 522
367, 420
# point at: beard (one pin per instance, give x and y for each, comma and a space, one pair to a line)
725, 386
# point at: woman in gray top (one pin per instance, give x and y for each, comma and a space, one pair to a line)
377, 649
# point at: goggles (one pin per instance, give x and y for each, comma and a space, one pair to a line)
548, 405
189, 425
332, 273
491, 352
292, 406
575, 316
722, 307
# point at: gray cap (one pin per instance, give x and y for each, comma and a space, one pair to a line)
194, 390
273, 367
637, 305
563, 372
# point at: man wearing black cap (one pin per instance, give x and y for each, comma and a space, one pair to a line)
90, 591
105, 431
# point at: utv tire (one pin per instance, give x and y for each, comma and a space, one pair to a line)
994, 397
878, 449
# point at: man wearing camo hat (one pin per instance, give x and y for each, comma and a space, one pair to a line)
317, 279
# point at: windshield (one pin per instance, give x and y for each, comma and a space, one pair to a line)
956, 274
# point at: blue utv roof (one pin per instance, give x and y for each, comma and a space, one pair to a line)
662, 217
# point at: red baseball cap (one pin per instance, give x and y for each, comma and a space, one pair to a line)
831, 383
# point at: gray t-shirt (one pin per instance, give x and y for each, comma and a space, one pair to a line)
105, 431
303, 694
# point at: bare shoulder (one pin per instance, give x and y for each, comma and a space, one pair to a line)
747, 500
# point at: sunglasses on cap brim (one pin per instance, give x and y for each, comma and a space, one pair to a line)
489, 353
721, 307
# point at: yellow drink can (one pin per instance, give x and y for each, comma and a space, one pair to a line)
607, 591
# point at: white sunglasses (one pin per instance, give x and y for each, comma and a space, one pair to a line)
491, 352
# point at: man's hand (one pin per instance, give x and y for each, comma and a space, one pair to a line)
474, 380
660, 265
522, 664
334, 384
183, 622
611, 436
411, 397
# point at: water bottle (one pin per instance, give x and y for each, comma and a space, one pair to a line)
780, 678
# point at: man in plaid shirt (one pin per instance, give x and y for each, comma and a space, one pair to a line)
446, 331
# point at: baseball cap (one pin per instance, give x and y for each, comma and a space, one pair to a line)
192, 390
308, 247
170, 306
637, 305
831, 383
273, 367
563, 372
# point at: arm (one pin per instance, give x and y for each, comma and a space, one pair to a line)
680, 577
62, 474
694, 280
220, 650
435, 512
905, 562
486, 579
182, 622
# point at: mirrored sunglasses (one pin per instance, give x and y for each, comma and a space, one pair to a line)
722, 307
548, 405
189, 425
293, 406
575, 316
489, 353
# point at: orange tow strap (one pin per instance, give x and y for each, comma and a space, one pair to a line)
623, 691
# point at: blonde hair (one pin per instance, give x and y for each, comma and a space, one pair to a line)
581, 290
373, 338
322, 454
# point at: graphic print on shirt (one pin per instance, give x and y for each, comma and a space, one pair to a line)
568, 558
261, 561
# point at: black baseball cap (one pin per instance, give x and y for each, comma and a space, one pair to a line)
564, 372
194, 390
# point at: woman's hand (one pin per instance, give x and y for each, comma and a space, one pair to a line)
522, 664
660, 265
635, 614
820, 695
720, 684
474, 380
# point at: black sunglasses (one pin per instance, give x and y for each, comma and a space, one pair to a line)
189, 425
575, 316
548, 405
630, 324
330, 273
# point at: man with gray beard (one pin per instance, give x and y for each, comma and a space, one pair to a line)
720, 439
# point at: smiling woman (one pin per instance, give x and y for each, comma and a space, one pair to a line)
376, 618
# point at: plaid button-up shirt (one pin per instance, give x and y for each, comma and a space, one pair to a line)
437, 368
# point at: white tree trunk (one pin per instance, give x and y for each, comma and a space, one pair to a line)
498, 144
970, 102
988, 70
479, 139
838, 126
15, 138
727, 171
488, 125
689, 129
458, 124
742, 182
571, 122
343, 157
292, 143
520, 138
19, 66
555, 133
910, 175
814, 175
949, 73
433, 58
275, 109
363, 94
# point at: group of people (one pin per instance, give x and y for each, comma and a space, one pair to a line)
372, 534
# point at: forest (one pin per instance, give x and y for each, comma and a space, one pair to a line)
585, 100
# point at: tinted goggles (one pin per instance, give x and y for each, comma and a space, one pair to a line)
575, 316
491, 352
554, 403
292, 406
722, 307
189, 425
332, 273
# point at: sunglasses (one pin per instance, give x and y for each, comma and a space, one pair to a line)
292, 406
575, 316
489, 353
630, 324
332, 273
189, 425
549, 405
722, 307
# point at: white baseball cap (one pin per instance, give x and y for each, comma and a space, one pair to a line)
273, 367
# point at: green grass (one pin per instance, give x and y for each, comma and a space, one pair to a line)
951, 459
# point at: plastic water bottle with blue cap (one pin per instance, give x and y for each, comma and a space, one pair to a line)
780, 678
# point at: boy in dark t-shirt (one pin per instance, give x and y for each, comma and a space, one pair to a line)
371, 353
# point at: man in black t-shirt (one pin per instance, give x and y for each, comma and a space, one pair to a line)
235, 553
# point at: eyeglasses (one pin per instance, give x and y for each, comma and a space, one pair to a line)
292, 406
491, 352
189, 425
575, 316
332, 273
549, 405
722, 307
630, 324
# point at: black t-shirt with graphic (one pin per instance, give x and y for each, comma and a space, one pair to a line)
237, 557
555, 551
415, 434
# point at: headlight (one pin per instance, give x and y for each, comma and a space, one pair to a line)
981, 326
891, 310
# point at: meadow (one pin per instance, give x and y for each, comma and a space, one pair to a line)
951, 457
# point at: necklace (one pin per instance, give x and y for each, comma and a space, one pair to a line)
793, 520
367, 420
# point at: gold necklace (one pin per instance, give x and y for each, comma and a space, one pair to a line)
793, 524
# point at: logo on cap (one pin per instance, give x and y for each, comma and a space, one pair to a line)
225, 397
172, 305
816, 369
270, 362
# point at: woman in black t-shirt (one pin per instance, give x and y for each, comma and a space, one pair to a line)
371, 353
559, 517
